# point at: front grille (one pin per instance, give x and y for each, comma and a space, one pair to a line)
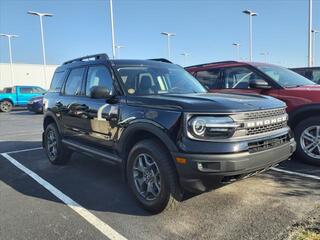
268, 144
264, 114
264, 129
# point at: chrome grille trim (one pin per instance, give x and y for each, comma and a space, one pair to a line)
264, 114
264, 129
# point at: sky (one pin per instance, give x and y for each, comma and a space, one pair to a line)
205, 29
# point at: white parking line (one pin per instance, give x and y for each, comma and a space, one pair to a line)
104, 228
25, 150
296, 173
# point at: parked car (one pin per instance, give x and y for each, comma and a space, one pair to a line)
301, 95
18, 96
312, 73
35, 104
161, 126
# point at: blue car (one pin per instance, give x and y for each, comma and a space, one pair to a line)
18, 96
35, 104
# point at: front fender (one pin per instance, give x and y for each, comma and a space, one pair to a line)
148, 126
303, 112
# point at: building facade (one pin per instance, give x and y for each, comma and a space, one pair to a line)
25, 74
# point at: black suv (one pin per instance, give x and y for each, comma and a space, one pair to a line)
161, 126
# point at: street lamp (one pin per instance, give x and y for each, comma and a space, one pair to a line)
250, 14
310, 35
237, 45
168, 34
314, 32
185, 57
112, 30
9, 36
265, 54
118, 50
41, 15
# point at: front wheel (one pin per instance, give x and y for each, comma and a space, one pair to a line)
307, 135
6, 106
56, 152
152, 177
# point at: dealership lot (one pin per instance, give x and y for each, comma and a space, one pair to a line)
261, 207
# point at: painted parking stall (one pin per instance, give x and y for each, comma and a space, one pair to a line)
98, 205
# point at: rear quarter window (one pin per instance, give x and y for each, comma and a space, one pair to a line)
57, 82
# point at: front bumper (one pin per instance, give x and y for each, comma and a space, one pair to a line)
205, 171
35, 107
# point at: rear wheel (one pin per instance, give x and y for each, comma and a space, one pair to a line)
56, 152
6, 106
152, 177
307, 134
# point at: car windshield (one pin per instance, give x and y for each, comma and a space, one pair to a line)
150, 80
285, 77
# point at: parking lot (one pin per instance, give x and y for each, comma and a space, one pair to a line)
87, 198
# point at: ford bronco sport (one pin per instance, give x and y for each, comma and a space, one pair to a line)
161, 126
300, 94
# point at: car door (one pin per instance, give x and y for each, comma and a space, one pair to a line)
96, 115
69, 104
24, 94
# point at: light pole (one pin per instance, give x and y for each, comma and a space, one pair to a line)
237, 45
41, 15
9, 36
112, 31
314, 32
250, 14
168, 34
265, 54
118, 50
185, 57
310, 35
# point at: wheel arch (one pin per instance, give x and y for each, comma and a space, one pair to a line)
307, 111
7, 99
139, 131
48, 119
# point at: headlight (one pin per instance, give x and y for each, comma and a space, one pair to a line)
209, 127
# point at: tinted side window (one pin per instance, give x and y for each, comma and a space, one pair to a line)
316, 76
209, 78
74, 82
238, 77
98, 76
26, 90
57, 82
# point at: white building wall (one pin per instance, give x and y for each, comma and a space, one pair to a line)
25, 74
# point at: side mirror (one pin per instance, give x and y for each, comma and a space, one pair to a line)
99, 92
259, 84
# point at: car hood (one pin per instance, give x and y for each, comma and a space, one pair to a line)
207, 102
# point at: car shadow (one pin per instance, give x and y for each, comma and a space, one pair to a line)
99, 186
292, 185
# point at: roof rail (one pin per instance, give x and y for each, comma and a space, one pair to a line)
160, 60
205, 64
100, 56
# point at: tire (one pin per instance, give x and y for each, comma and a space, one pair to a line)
6, 106
170, 192
310, 126
56, 152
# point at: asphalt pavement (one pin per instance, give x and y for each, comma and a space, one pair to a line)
87, 199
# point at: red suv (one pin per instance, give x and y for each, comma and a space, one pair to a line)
301, 95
